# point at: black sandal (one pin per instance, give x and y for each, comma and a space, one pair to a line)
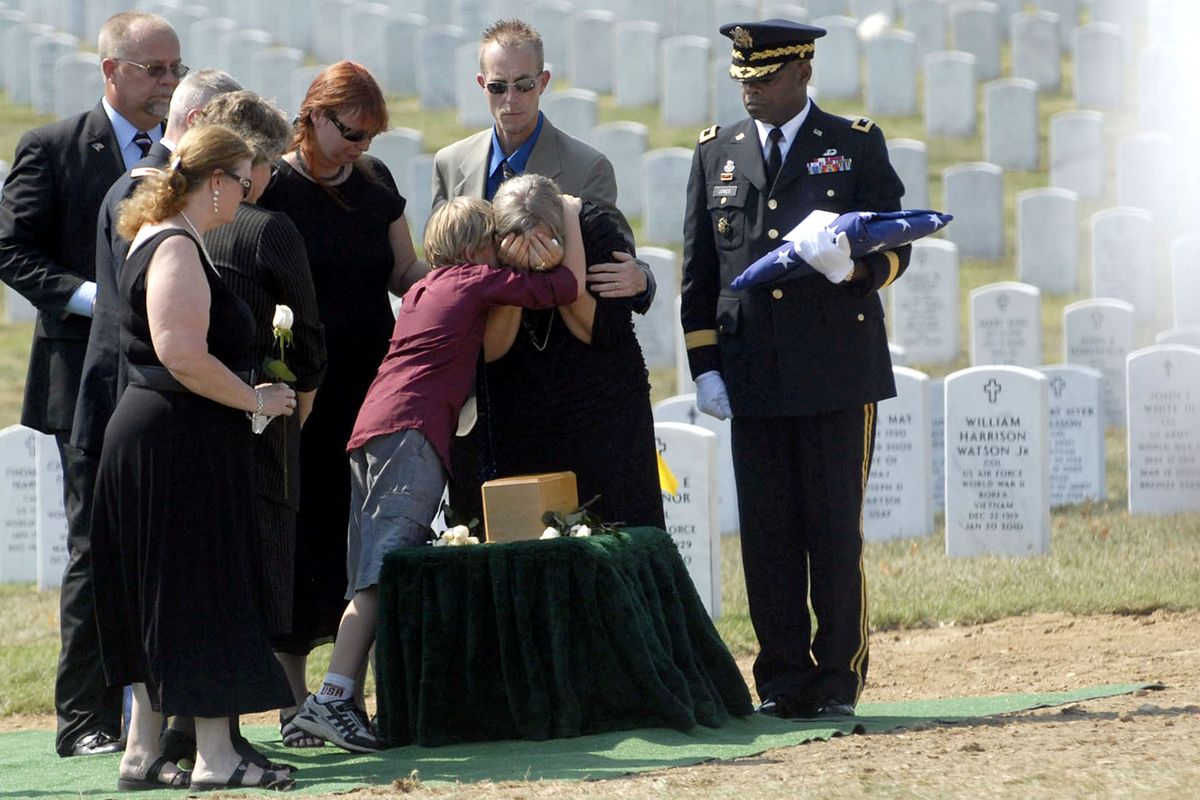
271, 779
177, 745
243, 748
151, 782
293, 736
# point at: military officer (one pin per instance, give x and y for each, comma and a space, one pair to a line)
798, 364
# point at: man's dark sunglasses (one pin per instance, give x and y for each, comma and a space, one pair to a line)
522, 85
157, 71
349, 134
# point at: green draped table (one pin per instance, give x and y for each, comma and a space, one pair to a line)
546, 639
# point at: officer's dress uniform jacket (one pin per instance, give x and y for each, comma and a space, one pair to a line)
793, 347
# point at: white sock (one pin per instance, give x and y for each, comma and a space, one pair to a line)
335, 687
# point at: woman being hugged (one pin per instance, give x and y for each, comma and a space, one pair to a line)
179, 615
347, 209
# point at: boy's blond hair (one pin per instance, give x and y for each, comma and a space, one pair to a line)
458, 225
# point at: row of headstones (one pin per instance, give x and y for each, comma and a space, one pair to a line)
993, 447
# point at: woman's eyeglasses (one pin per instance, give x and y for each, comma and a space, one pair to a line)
349, 134
522, 85
245, 182
157, 71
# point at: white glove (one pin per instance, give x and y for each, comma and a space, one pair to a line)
826, 253
711, 397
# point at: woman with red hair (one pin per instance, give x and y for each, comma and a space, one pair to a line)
347, 208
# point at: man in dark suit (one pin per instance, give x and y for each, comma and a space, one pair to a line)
47, 252
798, 364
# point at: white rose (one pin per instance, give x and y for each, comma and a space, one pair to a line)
283, 318
551, 533
472, 540
459, 531
581, 531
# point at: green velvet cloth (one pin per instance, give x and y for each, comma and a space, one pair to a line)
546, 639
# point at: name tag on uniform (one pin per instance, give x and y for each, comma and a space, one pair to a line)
724, 191
826, 164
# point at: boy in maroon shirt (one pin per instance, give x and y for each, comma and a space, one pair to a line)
399, 449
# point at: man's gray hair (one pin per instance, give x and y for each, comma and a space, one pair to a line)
195, 90
120, 30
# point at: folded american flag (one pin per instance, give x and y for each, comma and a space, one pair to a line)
866, 231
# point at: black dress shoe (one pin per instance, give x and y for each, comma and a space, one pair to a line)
97, 743
782, 707
836, 708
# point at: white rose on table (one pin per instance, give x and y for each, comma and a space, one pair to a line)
581, 531
283, 318
550, 533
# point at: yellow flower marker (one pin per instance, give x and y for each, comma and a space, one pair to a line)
666, 479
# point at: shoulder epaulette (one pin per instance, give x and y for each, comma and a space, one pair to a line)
862, 124
708, 134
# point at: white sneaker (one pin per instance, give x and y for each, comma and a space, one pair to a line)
341, 722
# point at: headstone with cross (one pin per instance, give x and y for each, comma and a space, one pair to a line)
1006, 324
924, 306
899, 498
656, 328
52, 551
1077, 466
1164, 429
682, 408
1099, 334
690, 452
18, 505
997, 463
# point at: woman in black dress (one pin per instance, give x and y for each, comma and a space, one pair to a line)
347, 209
177, 606
572, 391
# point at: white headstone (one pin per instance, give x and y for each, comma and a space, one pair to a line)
420, 193
997, 462
861, 9
18, 505
1068, 19
1077, 152
924, 305
1142, 180
837, 73
656, 328
1077, 465
1099, 334
18, 60
436, 54
899, 498
396, 148
975, 28
1006, 325
1164, 430
271, 73
1010, 134
926, 19
79, 83
16, 308
636, 66
44, 53
1188, 336
590, 57
52, 550
898, 354
682, 408
911, 161
1036, 49
974, 194
683, 374
937, 441
574, 111
238, 49
950, 107
1185, 280
826, 8
552, 19
665, 174
691, 512
1126, 15
1048, 239
473, 15
892, 73
298, 85
329, 24
204, 41
623, 143
722, 11
402, 32
1122, 258
726, 94
364, 38
788, 11
469, 98
683, 58
1099, 67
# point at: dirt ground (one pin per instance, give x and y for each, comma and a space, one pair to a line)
1145, 745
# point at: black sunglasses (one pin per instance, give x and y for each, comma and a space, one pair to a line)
157, 71
522, 85
245, 182
349, 134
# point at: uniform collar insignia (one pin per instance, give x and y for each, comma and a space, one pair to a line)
97, 146
739, 137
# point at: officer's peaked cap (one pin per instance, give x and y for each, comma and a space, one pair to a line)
761, 48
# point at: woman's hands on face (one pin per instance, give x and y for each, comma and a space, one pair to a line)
278, 398
533, 250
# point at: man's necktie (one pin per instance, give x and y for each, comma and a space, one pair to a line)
774, 156
143, 141
506, 171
